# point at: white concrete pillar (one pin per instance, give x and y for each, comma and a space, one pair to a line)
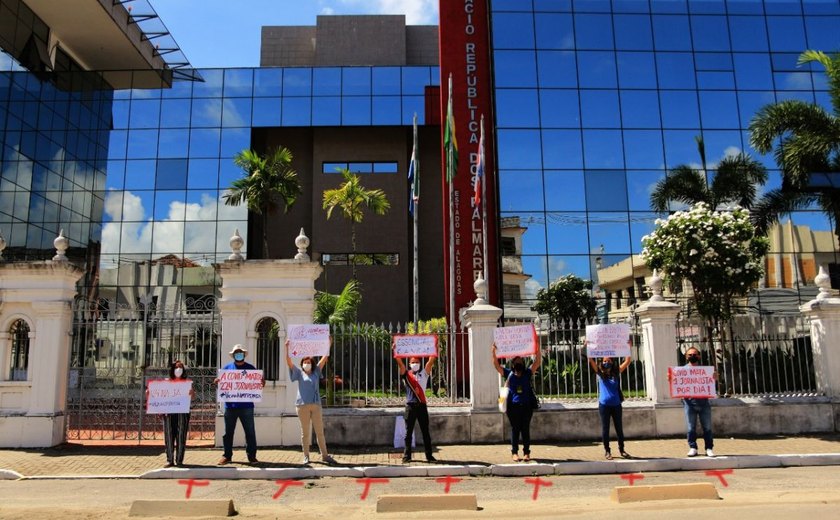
32, 411
480, 319
659, 336
823, 313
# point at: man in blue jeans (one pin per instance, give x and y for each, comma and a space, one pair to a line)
244, 412
698, 407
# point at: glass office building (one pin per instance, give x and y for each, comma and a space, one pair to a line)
596, 100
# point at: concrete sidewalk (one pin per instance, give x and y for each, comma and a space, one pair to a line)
132, 461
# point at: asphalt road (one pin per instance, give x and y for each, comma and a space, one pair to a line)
809, 492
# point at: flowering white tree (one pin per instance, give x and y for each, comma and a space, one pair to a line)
717, 252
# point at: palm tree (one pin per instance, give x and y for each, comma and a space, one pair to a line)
805, 139
269, 179
735, 181
351, 198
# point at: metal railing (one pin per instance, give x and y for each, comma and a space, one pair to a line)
759, 356
565, 374
362, 372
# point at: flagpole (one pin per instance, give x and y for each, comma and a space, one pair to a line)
415, 156
484, 207
452, 310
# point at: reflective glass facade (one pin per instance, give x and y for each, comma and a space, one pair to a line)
596, 100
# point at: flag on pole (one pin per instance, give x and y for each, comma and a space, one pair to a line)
450, 143
414, 174
479, 169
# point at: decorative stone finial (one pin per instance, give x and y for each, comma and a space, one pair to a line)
480, 286
302, 242
236, 243
61, 244
823, 281
655, 285
2, 246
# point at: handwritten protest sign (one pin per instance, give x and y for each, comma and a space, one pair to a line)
167, 396
608, 340
688, 381
421, 345
240, 386
308, 340
519, 340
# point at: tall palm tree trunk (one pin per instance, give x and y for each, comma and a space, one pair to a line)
265, 234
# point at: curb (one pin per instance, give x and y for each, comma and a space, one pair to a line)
440, 470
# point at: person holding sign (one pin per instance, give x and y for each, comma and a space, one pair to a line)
239, 411
176, 425
609, 400
308, 403
697, 407
521, 401
416, 410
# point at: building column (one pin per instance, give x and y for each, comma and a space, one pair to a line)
823, 312
659, 336
481, 318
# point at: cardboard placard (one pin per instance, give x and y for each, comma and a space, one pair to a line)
692, 381
518, 340
420, 345
308, 340
240, 386
168, 396
608, 340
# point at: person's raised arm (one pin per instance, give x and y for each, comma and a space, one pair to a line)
625, 363
399, 361
288, 359
430, 364
323, 361
593, 364
537, 361
496, 363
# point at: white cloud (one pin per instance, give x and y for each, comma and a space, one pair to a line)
132, 231
417, 12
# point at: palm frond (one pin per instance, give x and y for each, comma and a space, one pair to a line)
736, 180
775, 204
682, 184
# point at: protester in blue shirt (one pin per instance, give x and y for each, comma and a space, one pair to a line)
609, 400
521, 401
308, 403
244, 412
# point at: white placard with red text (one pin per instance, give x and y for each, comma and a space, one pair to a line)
240, 386
689, 381
608, 340
518, 340
420, 345
167, 396
308, 340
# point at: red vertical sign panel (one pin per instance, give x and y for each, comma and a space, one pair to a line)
465, 53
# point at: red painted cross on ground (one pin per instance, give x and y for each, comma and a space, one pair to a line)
190, 483
367, 482
537, 482
719, 473
283, 485
447, 481
632, 477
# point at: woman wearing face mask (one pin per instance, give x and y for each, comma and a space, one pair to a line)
308, 403
697, 407
609, 400
176, 425
520, 402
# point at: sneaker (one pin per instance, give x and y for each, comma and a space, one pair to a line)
223, 461
430, 458
328, 459
692, 452
608, 455
253, 460
306, 459
406, 460
168, 465
709, 452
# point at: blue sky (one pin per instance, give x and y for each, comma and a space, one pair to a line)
226, 33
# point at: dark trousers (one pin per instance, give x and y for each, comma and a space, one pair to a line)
420, 413
519, 416
606, 412
175, 428
246, 417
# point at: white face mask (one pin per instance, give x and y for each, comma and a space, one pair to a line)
179, 372
307, 367
415, 367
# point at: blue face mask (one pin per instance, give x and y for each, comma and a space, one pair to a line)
606, 365
239, 356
